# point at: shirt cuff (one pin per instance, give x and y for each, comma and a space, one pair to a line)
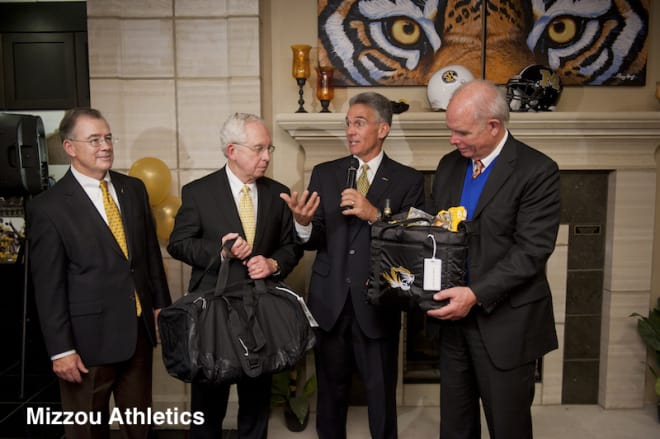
304, 232
62, 355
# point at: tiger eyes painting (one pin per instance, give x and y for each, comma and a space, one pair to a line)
403, 42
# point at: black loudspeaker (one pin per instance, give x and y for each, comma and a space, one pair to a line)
23, 155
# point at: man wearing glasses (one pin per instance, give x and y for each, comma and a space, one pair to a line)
336, 222
236, 203
98, 278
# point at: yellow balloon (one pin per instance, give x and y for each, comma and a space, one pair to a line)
155, 175
164, 214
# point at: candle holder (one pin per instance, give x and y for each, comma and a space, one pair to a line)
325, 90
300, 71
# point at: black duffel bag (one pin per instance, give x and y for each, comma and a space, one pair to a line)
245, 329
398, 254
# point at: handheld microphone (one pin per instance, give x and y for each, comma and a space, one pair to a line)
351, 174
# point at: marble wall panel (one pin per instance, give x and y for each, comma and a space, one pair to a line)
622, 352
200, 8
202, 48
129, 8
203, 105
243, 34
629, 244
139, 48
142, 114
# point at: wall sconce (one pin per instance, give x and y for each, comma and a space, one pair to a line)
300, 70
325, 90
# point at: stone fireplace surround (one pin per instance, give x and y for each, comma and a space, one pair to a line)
623, 143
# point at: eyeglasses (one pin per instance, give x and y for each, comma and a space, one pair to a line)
259, 149
96, 142
358, 123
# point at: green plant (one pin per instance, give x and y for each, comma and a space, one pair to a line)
286, 392
649, 330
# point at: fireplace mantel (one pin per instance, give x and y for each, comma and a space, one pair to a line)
575, 140
626, 144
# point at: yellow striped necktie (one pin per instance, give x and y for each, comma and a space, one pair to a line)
363, 181
117, 228
246, 213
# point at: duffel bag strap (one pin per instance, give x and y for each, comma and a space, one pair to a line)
223, 275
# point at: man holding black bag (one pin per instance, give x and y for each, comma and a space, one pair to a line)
336, 222
236, 203
495, 328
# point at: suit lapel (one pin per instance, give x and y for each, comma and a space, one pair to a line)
221, 193
457, 176
126, 206
264, 208
502, 169
78, 201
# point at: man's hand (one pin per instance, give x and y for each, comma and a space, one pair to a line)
156, 313
69, 368
260, 267
302, 209
461, 301
239, 250
358, 205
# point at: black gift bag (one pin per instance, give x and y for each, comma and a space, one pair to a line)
399, 252
240, 330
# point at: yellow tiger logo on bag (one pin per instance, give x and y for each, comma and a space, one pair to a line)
399, 277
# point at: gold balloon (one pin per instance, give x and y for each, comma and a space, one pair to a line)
155, 175
164, 214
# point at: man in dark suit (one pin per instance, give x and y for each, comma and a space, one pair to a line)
335, 221
97, 295
495, 328
212, 214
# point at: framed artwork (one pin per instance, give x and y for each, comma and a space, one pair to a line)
403, 42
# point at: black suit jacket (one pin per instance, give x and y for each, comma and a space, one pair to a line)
84, 286
343, 243
515, 228
208, 212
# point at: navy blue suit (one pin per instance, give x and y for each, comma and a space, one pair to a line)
337, 297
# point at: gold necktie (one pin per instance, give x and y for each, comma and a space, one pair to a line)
117, 228
246, 212
363, 181
477, 168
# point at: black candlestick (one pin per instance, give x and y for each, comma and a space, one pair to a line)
325, 103
301, 101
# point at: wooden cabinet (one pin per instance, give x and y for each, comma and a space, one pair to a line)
43, 56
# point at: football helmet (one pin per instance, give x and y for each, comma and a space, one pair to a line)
535, 88
444, 83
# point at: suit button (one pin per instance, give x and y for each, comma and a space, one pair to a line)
351, 252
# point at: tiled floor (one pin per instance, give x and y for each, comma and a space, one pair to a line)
550, 422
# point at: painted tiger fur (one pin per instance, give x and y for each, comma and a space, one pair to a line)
403, 42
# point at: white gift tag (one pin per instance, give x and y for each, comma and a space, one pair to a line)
432, 274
